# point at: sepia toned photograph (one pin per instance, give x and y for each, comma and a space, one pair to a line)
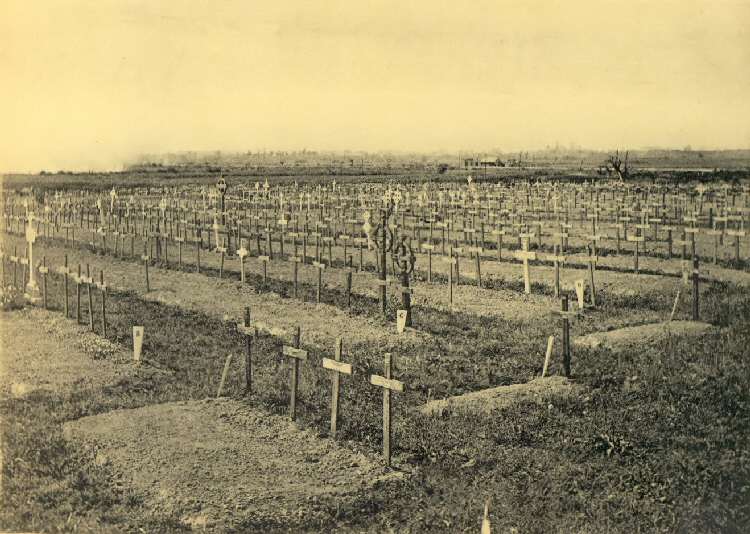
375, 267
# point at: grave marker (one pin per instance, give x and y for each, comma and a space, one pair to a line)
548, 355
338, 367
137, 343
320, 267
224, 373
580, 287
388, 385
525, 255
297, 356
264, 260
242, 252
401, 316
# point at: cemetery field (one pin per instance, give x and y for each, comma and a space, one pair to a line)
644, 429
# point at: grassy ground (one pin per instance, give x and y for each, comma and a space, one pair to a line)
659, 444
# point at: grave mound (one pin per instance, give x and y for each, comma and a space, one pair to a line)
42, 350
632, 336
539, 390
213, 462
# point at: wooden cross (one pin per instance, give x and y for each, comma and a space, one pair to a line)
88, 281
696, 294
64, 271
320, 267
456, 254
591, 259
43, 270
525, 255
477, 251
250, 332
388, 385
264, 260
636, 239
557, 260
297, 356
146, 258
451, 262
566, 315
737, 234
101, 286
338, 367
222, 251
242, 252
429, 248
499, 233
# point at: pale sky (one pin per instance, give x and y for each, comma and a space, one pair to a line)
88, 84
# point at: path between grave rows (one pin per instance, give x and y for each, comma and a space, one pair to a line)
228, 297
492, 269
467, 298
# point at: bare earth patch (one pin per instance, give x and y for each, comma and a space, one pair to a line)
632, 336
215, 461
539, 390
43, 350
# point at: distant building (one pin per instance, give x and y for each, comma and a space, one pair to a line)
491, 162
483, 162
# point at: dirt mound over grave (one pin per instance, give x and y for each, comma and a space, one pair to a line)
213, 462
538, 390
44, 350
624, 338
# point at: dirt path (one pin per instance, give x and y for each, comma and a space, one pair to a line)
217, 464
197, 291
320, 323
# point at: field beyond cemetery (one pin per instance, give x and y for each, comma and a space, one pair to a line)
640, 423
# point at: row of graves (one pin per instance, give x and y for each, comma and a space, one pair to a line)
476, 222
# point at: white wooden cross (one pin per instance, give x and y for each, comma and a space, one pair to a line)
32, 286
216, 230
525, 255
242, 252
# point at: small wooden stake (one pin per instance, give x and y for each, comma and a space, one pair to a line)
137, 343
65, 278
88, 294
565, 337
224, 376
550, 341
348, 289
78, 295
696, 279
103, 289
248, 353
44, 272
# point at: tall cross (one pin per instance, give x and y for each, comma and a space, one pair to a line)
525, 255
